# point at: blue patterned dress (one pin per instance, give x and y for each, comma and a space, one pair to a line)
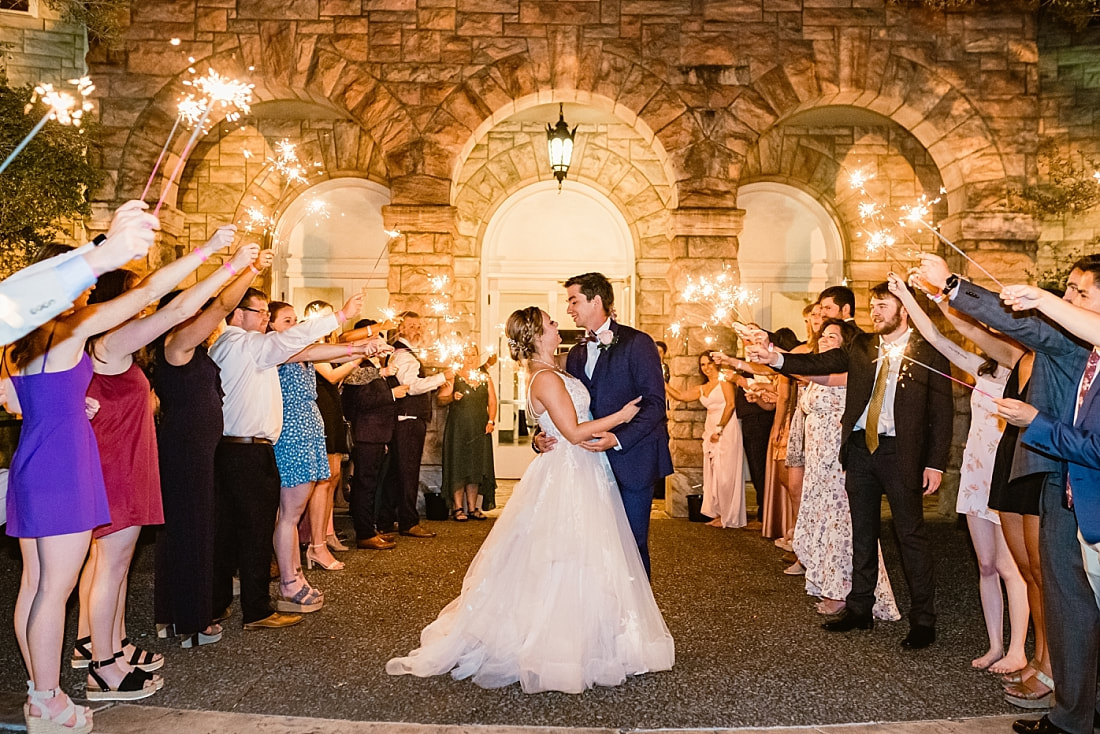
300, 452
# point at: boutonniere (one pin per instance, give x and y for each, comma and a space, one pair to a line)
606, 339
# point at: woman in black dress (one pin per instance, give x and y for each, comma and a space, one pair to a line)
468, 469
187, 383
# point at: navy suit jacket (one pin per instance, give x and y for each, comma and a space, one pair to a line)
628, 368
1079, 445
1059, 363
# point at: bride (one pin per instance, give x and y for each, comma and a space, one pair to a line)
557, 598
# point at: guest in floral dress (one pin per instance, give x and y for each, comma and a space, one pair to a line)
823, 532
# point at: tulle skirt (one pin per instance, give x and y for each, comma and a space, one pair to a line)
556, 598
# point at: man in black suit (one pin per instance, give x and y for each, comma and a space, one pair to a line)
837, 302
896, 432
414, 412
368, 398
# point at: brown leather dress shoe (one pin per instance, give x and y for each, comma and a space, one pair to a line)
387, 536
418, 531
275, 620
375, 543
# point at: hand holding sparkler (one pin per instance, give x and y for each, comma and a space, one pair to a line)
933, 271
245, 256
129, 238
223, 238
1024, 297
1016, 412
760, 353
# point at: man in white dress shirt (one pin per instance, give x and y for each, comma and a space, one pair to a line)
247, 498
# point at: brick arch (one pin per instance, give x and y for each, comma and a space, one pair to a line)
629, 185
590, 76
926, 102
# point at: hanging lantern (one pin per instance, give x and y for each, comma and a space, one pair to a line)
559, 141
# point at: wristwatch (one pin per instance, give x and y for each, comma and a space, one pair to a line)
951, 284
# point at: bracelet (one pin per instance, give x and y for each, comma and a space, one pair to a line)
230, 268
340, 316
936, 298
492, 423
349, 350
202, 255
253, 269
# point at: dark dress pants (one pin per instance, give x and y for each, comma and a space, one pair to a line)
368, 459
1073, 622
402, 483
638, 503
755, 434
868, 477
246, 502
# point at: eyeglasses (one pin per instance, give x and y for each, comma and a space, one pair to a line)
253, 310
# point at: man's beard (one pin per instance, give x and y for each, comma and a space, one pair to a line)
888, 326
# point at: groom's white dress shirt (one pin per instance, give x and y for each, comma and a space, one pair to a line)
593, 347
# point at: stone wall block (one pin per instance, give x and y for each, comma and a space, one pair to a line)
288, 9
479, 24
610, 75
488, 6
561, 12
340, 7
564, 52
162, 11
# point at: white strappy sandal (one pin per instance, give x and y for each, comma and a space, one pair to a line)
45, 723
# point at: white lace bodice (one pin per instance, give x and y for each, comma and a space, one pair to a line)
577, 392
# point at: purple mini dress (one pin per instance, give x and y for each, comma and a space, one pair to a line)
55, 486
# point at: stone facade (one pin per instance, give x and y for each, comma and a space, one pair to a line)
39, 47
705, 95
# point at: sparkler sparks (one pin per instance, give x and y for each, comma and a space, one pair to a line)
61, 107
897, 351
214, 91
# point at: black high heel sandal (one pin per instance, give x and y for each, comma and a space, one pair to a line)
82, 653
135, 685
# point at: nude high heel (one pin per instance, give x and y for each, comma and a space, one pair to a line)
311, 559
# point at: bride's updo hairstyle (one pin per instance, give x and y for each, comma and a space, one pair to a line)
523, 329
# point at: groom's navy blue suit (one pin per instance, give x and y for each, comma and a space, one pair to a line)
627, 368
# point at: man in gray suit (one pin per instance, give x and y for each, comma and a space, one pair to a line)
1073, 621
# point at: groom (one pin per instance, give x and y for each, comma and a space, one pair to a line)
617, 364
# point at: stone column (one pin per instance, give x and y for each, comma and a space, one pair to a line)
702, 242
423, 250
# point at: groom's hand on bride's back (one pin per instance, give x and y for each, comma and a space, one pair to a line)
542, 442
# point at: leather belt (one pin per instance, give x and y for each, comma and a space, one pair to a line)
246, 439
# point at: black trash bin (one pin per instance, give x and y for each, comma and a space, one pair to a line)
695, 509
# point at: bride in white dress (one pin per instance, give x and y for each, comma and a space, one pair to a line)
556, 598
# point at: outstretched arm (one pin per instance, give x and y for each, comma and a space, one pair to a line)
964, 360
134, 335
686, 395
181, 344
1080, 322
101, 317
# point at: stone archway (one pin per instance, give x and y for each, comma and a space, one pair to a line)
330, 243
790, 249
534, 240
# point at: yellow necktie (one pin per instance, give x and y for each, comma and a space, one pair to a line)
874, 408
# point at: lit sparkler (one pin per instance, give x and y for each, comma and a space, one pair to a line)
257, 220
897, 351
317, 208
918, 214
215, 92
189, 111
61, 106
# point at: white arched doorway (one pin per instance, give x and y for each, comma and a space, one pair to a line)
789, 250
330, 243
535, 240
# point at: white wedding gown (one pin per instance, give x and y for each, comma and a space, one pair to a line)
556, 598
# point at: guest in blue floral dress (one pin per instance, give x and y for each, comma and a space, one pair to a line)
302, 459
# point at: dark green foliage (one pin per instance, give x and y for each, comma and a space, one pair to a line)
50, 180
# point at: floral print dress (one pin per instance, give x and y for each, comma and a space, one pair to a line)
823, 531
981, 449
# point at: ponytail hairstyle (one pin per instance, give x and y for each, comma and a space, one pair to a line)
523, 330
